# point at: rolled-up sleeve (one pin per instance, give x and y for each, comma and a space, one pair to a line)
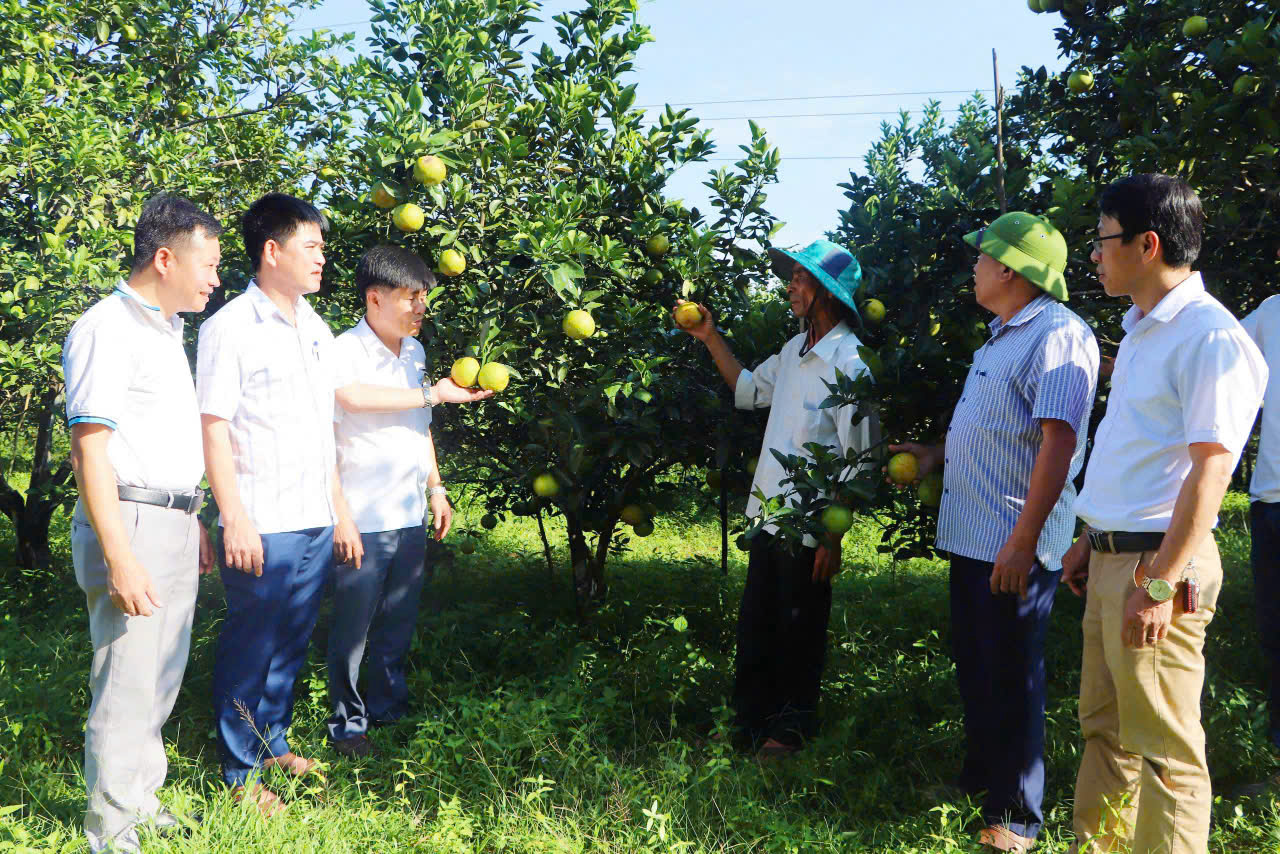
1220, 389
97, 367
218, 380
755, 388
1068, 378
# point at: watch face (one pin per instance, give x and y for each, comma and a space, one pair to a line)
1160, 590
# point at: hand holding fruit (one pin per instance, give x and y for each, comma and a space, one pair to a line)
927, 458
448, 391
699, 325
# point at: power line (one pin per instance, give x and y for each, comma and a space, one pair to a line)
796, 157
814, 98
342, 26
813, 115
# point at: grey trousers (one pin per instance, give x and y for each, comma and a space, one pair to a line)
137, 667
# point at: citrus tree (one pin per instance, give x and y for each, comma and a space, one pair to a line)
537, 189
104, 105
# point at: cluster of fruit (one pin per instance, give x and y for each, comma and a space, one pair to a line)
468, 373
904, 469
429, 171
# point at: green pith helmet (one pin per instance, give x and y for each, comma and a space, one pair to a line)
832, 265
1029, 245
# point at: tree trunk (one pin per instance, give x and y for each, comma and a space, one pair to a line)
31, 514
587, 566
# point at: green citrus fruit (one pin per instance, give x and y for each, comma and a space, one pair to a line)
1034, 6
183, 109
128, 33
408, 217
874, 310
903, 467
488, 521
579, 324
688, 315
494, 377
634, 514
1050, 5
545, 485
1080, 81
652, 276
383, 196
658, 245
837, 519
429, 170
465, 371
468, 546
930, 489
1195, 26
452, 263
644, 529
751, 465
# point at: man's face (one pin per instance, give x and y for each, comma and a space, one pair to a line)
1119, 262
802, 290
300, 259
191, 271
989, 281
400, 309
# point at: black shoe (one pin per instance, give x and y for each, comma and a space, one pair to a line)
355, 747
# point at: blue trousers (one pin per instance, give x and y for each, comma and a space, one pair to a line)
1264, 525
262, 645
998, 647
375, 608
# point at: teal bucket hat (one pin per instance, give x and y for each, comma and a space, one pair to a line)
831, 264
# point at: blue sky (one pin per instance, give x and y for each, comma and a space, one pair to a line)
726, 50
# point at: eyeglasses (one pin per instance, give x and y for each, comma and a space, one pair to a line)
1096, 243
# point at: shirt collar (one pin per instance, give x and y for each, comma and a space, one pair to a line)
373, 344
1026, 314
826, 347
266, 308
1167, 309
150, 313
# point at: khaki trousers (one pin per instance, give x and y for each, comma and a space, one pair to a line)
137, 668
1143, 784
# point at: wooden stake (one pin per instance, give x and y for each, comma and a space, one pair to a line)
999, 93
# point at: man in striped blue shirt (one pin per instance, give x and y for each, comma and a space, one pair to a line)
1015, 443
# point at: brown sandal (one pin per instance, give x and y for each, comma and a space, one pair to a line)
292, 763
1000, 838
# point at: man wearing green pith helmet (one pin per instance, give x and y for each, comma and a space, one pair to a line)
1015, 441
786, 603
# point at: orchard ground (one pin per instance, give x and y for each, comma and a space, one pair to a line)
533, 734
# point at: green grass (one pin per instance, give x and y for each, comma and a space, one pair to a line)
536, 735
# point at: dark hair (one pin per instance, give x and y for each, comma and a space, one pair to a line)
1161, 203
276, 216
166, 220
392, 267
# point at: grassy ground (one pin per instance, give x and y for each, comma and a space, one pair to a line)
535, 735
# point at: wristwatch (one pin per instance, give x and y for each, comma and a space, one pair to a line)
1158, 589
438, 490
428, 395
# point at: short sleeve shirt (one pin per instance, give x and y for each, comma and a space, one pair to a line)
1042, 364
1187, 372
382, 456
1263, 326
273, 382
125, 367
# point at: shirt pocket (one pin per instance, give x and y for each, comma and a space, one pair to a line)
994, 401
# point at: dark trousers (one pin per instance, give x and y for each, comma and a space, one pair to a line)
1264, 525
998, 647
375, 609
782, 643
263, 644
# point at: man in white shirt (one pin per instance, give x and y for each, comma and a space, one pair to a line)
1263, 326
265, 382
136, 541
1184, 394
387, 462
786, 603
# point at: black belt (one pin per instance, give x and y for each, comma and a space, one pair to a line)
1121, 542
187, 502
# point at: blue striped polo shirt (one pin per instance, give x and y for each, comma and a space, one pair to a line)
1042, 364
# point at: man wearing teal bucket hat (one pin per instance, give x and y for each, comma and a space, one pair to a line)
1015, 441
786, 603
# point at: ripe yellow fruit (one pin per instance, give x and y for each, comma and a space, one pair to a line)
128, 33
429, 170
634, 514
837, 519
493, 377
874, 310
1195, 26
930, 489
1080, 81
657, 245
408, 217
579, 324
545, 485
452, 263
688, 315
382, 196
465, 371
903, 467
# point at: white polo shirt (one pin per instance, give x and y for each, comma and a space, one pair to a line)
124, 367
1263, 326
792, 387
273, 382
382, 456
1187, 372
